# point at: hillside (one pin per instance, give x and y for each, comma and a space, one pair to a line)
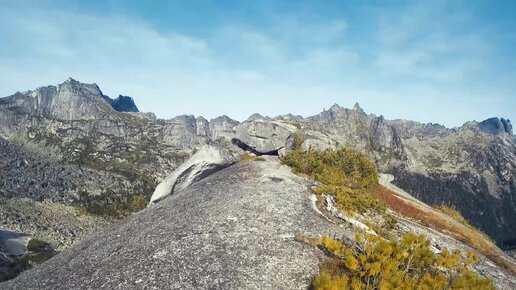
245, 229
70, 153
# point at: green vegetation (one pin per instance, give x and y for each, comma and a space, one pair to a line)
293, 123
111, 205
376, 261
251, 157
410, 263
344, 173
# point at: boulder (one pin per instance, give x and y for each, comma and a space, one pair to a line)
207, 160
18, 252
262, 137
311, 139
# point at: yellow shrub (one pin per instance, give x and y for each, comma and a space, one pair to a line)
376, 263
344, 173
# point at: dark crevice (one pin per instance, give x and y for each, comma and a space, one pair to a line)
250, 149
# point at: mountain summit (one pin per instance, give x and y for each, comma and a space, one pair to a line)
69, 148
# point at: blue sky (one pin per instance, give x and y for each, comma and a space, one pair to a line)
430, 61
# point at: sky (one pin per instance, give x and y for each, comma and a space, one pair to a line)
444, 62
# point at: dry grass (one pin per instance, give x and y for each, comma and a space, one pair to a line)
436, 221
251, 157
456, 215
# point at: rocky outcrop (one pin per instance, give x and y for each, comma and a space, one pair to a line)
241, 228
70, 100
262, 137
355, 129
310, 139
235, 229
19, 252
204, 162
496, 126
257, 117
122, 104
222, 126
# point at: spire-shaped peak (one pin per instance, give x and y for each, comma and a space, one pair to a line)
255, 117
70, 80
357, 108
335, 108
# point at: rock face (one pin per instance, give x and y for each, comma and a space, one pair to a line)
262, 137
311, 139
471, 168
204, 162
240, 228
235, 229
18, 252
68, 101
71, 145
122, 104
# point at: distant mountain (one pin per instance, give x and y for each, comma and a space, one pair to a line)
472, 168
122, 103
71, 145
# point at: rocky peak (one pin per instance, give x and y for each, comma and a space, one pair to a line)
336, 108
222, 126
288, 116
358, 109
124, 104
70, 100
507, 126
80, 89
496, 126
255, 117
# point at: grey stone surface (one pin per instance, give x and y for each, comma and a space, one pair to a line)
235, 229
311, 139
57, 224
207, 160
262, 136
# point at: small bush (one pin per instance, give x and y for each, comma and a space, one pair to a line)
111, 205
251, 157
344, 173
293, 123
410, 263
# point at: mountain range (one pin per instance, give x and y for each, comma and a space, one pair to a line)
73, 153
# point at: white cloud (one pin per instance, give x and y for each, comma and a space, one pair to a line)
298, 63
